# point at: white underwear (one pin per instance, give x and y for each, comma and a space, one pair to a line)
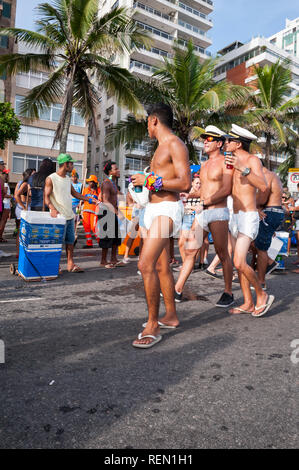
212, 215
245, 222
172, 209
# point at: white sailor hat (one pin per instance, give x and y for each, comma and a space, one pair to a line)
212, 131
239, 133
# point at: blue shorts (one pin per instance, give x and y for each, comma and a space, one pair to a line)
188, 220
267, 228
69, 232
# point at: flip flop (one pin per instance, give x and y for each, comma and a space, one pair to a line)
109, 266
239, 310
266, 307
76, 269
155, 339
163, 326
120, 264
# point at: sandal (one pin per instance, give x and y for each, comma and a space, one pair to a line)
76, 269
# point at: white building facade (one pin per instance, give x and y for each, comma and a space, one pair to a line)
288, 38
166, 21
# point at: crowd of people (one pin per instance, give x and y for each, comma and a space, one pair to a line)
233, 199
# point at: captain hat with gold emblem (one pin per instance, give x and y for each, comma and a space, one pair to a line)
212, 131
241, 134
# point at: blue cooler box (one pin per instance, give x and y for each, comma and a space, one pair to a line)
41, 238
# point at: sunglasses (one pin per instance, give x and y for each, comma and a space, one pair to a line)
232, 140
212, 139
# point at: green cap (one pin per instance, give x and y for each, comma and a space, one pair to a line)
64, 158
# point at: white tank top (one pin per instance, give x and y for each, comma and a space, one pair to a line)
61, 197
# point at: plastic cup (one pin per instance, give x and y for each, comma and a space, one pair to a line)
228, 165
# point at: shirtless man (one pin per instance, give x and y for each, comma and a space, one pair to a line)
271, 212
109, 215
248, 177
162, 219
216, 185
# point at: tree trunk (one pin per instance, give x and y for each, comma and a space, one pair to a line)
268, 151
65, 130
297, 159
66, 116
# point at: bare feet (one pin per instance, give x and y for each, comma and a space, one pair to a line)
150, 329
295, 271
260, 304
242, 309
170, 320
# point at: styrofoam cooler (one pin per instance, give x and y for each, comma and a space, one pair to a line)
284, 237
41, 239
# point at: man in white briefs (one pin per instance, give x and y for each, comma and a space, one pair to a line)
163, 216
216, 186
248, 177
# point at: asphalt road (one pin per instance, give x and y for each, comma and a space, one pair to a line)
71, 378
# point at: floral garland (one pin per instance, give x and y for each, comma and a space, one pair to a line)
153, 182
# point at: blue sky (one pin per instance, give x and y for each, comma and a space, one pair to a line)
233, 19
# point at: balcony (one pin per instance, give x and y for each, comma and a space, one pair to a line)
142, 68
137, 150
185, 9
153, 56
198, 49
187, 30
155, 31
152, 11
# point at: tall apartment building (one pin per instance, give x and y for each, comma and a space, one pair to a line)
7, 45
166, 21
288, 38
36, 137
237, 61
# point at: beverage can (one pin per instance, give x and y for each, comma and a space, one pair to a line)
228, 165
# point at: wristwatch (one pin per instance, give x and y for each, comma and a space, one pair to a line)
246, 171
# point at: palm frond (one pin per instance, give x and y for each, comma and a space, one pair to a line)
85, 98
82, 15
18, 63
118, 82
30, 38
42, 96
127, 131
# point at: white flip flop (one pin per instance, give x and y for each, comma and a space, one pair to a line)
266, 307
156, 340
162, 325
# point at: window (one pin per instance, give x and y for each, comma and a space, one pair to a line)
38, 137
31, 79
77, 120
52, 113
109, 111
6, 13
4, 42
22, 161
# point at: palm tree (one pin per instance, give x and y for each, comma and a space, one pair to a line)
188, 86
290, 149
76, 49
272, 115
